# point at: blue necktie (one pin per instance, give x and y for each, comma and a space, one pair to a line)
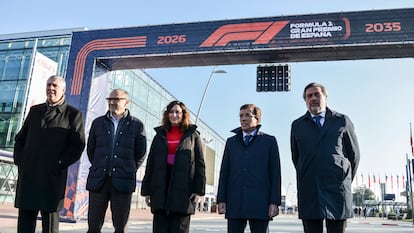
247, 139
317, 120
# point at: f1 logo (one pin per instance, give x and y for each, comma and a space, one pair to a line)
260, 33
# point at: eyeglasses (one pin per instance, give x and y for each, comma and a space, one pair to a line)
115, 99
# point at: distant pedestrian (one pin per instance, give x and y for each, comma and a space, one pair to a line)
250, 178
116, 149
51, 139
325, 154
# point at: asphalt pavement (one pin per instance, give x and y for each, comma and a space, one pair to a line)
8, 220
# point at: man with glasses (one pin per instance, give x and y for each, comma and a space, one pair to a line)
250, 182
325, 154
116, 149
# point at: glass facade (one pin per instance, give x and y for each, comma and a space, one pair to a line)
8, 174
15, 67
148, 101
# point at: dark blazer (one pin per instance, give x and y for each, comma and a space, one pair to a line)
45, 146
119, 156
250, 177
172, 193
326, 161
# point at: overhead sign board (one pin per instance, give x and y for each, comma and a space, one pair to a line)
389, 197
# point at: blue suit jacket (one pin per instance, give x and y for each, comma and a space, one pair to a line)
250, 176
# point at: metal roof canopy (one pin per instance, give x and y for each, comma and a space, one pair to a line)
323, 53
323, 37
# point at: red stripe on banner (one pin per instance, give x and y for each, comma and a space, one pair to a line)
347, 28
104, 44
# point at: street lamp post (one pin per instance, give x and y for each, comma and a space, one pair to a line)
214, 71
287, 189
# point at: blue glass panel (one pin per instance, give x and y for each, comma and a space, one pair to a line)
49, 42
2, 63
12, 65
17, 45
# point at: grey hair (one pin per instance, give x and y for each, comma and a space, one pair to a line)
57, 77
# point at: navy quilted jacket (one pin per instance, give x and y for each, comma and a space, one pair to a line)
119, 156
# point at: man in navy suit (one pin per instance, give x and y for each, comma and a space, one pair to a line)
325, 153
249, 183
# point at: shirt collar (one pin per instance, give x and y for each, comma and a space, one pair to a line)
123, 116
322, 114
252, 133
60, 102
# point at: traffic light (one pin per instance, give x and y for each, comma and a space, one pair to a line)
284, 74
266, 79
273, 78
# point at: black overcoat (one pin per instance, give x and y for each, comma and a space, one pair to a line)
47, 144
326, 161
172, 194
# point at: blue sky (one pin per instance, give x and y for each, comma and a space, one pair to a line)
376, 94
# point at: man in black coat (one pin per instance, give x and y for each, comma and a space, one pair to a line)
51, 139
325, 153
116, 149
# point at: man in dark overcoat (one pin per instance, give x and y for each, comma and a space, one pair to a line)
250, 178
51, 139
325, 153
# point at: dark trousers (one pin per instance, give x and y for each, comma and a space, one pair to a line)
316, 225
171, 223
98, 203
26, 222
239, 225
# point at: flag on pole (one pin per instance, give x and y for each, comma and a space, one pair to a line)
362, 179
398, 182
403, 182
369, 181
411, 140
